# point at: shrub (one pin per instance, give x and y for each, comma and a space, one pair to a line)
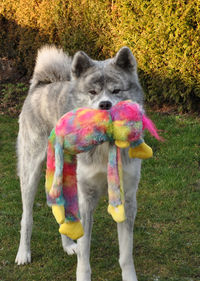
163, 35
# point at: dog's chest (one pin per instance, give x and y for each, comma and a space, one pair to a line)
92, 166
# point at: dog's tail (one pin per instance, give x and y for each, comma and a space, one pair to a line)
52, 65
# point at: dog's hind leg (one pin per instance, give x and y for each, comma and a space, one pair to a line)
125, 229
30, 159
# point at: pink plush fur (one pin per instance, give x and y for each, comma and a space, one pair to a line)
149, 125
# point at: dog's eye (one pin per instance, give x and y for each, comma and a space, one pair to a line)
116, 91
93, 92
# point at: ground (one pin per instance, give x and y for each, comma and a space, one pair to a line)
167, 228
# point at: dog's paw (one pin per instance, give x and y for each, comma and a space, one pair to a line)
69, 246
23, 257
71, 250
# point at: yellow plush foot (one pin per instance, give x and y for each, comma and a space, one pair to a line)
142, 151
122, 144
73, 230
117, 213
59, 213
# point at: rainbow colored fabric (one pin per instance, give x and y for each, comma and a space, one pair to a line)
81, 130
77, 131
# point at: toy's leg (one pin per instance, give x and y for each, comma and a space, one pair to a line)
57, 209
142, 151
73, 229
50, 171
65, 207
72, 226
59, 213
115, 185
57, 150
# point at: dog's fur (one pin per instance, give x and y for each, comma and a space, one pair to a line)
60, 84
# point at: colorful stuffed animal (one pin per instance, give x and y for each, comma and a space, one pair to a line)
79, 131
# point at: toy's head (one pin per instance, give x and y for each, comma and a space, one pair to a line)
129, 121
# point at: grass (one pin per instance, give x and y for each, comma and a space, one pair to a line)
167, 228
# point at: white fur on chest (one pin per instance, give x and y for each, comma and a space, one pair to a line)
92, 169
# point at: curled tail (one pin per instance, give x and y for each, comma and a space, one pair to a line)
150, 126
52, 65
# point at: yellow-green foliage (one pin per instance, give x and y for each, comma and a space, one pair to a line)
164, 35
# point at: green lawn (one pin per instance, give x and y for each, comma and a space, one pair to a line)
167, 228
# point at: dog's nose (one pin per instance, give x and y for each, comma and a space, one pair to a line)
105, 105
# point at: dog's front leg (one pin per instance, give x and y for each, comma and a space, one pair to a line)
83, 271
87, 201
125, 229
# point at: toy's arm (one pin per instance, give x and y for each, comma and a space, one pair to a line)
140, 149
58, 176
122, 144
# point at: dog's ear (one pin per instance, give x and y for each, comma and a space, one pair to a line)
125, 59
80, 64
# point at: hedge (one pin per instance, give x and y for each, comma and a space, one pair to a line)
164, 35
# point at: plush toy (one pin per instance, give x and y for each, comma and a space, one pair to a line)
79, 131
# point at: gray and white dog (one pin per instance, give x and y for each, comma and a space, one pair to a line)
60, 84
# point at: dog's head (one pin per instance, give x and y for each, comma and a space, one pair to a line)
101, 84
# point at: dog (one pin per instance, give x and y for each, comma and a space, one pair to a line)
59, 84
